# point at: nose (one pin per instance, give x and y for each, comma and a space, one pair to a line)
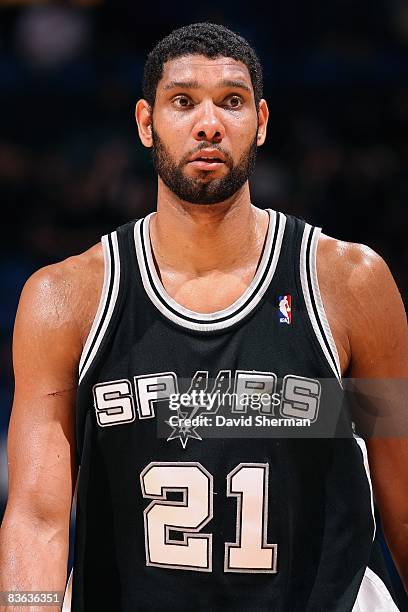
209, 126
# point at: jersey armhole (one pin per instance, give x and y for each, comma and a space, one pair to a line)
313, 298
106, 304
67, 601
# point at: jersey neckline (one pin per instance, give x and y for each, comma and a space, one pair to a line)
220, 319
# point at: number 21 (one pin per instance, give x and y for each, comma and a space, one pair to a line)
248, 482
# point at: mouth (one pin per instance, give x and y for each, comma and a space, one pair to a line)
206, 164
207, 160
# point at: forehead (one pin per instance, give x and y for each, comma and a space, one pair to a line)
204, 70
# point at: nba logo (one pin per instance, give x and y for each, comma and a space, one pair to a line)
285, 309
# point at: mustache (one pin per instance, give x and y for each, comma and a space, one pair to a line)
207, 145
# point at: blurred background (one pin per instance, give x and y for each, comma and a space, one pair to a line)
72, 168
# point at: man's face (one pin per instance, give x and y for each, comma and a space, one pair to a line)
204, 128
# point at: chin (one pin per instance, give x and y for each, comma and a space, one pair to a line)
206, 177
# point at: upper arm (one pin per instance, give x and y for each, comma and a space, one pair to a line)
41, 440
378, 338
377, 321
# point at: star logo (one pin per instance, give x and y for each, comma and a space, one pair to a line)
183, 432
199, 401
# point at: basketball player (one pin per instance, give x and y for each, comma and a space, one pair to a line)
284, 307
188, 299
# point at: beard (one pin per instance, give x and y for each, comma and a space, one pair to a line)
194, 190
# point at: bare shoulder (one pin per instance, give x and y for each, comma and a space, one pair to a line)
363, 304
66, 293
356, 267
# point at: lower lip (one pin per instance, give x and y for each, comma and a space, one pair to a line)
203, 165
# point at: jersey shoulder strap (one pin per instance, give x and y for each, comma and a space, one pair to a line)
115, 256
313, 298
298, 261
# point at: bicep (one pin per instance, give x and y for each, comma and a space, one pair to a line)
377, 322
41, 457
41, 440
379, 369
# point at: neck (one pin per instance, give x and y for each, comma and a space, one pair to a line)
197, 238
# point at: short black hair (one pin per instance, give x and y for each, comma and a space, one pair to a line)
208, 39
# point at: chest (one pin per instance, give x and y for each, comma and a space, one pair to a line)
217, 290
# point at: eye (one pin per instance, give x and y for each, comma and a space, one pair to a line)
182, 102
233, 101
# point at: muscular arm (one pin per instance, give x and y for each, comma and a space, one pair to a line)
34, 535
376, 340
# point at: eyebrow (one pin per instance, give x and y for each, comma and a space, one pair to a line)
235, 84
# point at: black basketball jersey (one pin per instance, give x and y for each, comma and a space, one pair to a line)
190, 498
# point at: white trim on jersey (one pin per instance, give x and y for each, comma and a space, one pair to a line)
318, 297
373, 595
313, 299
66, 604
363, 448
220, 319
102, 301
107, 302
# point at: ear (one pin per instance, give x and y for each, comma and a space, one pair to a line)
143, 115
263, 116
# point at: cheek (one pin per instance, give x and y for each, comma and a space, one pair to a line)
173, 133
171, 120
241, 135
